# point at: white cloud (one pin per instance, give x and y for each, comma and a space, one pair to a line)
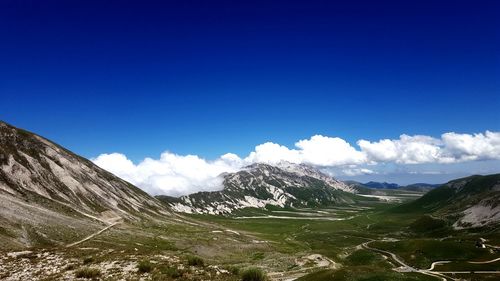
326, 151
176, 175
273, 153
357, 171
116, 163
318, 150
465, 147
450, 148
172, 174
407, 150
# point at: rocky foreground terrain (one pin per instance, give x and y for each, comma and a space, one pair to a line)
57, 265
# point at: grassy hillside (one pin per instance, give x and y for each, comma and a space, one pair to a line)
456, 195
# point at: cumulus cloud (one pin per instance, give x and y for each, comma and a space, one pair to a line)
273, 153
318, 150
326, 151
450, 148
465, 147
172, 174
176, 175
406, 149
357, 172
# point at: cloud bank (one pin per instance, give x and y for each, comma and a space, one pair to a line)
450, 148
176, 175
172, 174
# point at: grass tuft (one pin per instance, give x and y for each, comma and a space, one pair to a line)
88, 272
253, 274
144, 266
234, 270
258, 256
195, 261
170, 271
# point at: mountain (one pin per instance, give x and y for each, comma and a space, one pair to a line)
373, 184
467, 202
43, 184
309, 171
364, 187
421, 187
258, 185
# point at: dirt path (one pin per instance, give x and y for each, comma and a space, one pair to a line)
405, 267
437, 263
483, 262
93, 234
438, 274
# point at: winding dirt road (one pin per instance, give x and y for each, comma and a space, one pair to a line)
483, 262
404, 267
437, 263
438, 274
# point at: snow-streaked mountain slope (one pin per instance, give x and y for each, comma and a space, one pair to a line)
260, 184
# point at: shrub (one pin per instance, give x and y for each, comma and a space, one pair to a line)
195, 261
258, 256
253, 274
88, 272
164, 272
88, 260
171, 272
234, 270
144, 266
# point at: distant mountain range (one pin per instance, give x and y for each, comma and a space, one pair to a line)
420, 187
373, 184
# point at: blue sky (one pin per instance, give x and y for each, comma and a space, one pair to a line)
211, 77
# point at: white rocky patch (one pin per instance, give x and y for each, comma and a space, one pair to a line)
477, 216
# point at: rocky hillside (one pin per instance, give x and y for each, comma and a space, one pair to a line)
468, 202
43, 184
258, 185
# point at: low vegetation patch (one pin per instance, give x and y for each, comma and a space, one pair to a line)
144, 266
88, 260
195, 261
169, 271
426, 224
88, 272
253, 274
362, 257
258, 256
234, 270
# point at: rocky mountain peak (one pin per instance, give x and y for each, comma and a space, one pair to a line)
261, 184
